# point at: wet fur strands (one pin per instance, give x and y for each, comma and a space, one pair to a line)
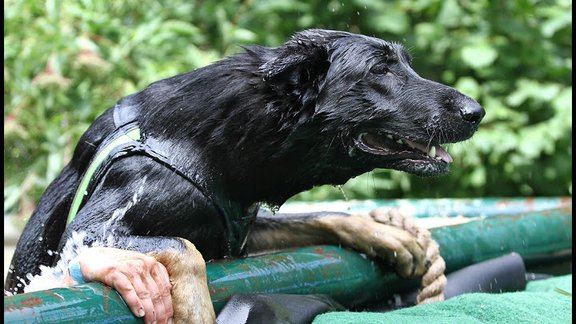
256, 127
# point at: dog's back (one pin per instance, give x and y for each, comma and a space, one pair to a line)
40, 239
194, 108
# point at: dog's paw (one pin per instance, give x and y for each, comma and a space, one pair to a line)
190, 294
433, 279
399, 218
367, 234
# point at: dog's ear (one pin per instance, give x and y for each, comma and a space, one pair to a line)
302, 59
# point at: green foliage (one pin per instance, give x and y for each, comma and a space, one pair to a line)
65, 62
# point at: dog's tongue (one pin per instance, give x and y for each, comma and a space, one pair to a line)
435, 151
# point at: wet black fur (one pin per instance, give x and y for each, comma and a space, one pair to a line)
259, 126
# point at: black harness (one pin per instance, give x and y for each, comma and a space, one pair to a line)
127, 140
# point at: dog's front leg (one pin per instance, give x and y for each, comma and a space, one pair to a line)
367, 234
383, 234
146, 277
190, 294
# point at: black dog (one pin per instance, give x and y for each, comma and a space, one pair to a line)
191, 157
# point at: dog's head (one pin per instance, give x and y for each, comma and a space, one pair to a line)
364, 95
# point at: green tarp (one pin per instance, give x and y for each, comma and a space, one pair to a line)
540, 303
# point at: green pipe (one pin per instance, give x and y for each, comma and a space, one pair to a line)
87, 303
440, 207
343, 274
324, 269
531, 235
314, 269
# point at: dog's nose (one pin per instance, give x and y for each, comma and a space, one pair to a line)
472, 111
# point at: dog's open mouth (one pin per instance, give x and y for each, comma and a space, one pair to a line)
404, 154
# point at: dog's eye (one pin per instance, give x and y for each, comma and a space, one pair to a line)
379, 69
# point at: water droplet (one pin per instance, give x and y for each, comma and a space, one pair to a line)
274, 209
341, 188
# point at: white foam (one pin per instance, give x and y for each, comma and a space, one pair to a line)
51, 277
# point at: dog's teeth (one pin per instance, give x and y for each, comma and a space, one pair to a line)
389, 136
432, 152
399, 141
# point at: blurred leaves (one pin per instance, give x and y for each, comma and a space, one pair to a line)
479, 55
65, 62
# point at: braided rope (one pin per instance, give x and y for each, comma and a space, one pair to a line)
433, 279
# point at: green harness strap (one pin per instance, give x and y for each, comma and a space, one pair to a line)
235, 219
132, 134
